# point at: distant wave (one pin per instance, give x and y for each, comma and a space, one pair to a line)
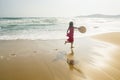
10, 18
101, 16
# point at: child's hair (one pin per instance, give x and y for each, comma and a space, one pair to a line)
71, 23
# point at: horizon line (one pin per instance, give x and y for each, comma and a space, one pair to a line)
58, 16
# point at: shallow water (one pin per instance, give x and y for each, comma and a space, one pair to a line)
45, 28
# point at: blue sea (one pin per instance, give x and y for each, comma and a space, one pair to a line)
45, 28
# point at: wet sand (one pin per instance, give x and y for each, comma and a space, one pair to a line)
93, 58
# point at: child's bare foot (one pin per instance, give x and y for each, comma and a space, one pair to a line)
72, 47
65, 42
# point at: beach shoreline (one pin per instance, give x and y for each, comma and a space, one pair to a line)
50, 59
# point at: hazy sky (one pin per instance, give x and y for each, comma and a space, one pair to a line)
51, 8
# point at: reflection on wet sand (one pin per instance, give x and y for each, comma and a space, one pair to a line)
71, 63
36, 59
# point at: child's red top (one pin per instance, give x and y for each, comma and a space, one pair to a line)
70, 34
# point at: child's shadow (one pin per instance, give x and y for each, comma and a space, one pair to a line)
69, 58
71, 63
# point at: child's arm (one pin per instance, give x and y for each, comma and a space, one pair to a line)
67, 29
75, 27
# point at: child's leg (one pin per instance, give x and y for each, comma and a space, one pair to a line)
72, 45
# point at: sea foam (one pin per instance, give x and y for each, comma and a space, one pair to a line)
45, 28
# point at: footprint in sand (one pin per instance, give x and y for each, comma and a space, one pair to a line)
34, 51
55, 49
12, 55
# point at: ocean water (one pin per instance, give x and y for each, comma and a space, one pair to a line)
45, 28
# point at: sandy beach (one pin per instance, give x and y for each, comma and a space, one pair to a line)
93, 58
